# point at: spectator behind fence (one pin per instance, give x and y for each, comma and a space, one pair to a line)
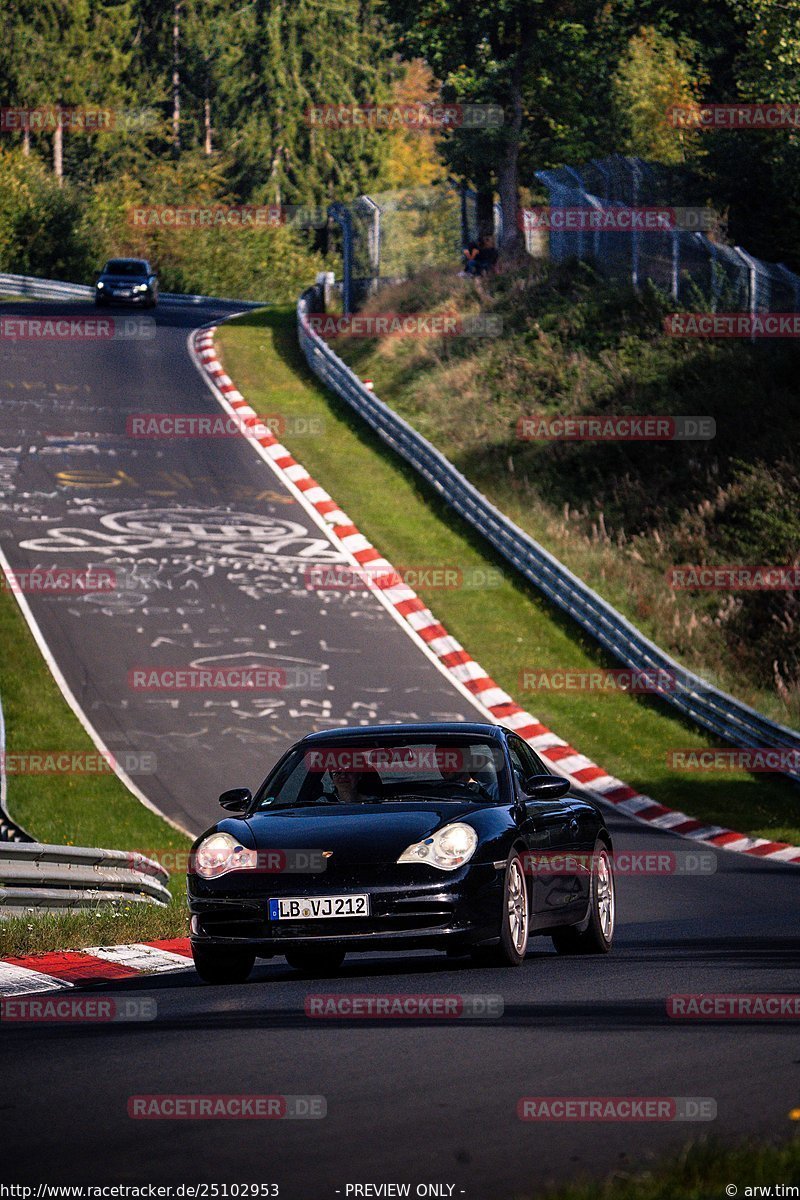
486, 258
470, 253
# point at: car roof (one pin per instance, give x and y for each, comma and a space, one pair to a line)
139, 262
431, 729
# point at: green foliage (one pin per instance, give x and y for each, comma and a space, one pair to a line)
651, 78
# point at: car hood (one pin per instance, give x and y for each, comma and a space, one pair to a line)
122, 280
356, 833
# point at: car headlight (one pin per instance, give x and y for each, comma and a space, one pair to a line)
100, 283
221, 853
140, 287
448, 848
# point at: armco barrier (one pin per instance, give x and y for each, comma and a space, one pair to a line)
35, 876
709, 707
10, 831
54, 289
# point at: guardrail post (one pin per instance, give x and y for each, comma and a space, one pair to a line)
340, 213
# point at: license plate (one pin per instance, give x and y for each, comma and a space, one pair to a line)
121, 292
305, 908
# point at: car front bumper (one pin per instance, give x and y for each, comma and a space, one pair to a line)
462, 908
105, 297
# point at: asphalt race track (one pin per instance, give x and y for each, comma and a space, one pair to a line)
211, 558
422, 1102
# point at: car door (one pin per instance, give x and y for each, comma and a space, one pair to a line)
559, 869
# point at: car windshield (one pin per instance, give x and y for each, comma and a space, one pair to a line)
387, 772
125, 266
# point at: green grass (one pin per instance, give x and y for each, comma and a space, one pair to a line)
110, 925
702, 1172
506, 628
76, 810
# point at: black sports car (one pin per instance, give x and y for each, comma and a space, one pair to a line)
448, 836
127, 281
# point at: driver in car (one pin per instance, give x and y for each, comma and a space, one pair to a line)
352, 787
477, 776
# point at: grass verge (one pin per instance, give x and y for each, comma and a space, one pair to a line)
702, 1172
507, 627
75, 810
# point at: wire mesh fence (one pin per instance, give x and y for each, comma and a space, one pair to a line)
682, 261
393, 235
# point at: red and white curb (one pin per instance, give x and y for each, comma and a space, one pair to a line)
99, 964
462, 669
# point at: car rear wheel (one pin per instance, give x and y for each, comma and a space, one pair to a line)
315, 962
595, 933
223, 964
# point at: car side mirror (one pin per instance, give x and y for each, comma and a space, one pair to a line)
545, 787
236, 799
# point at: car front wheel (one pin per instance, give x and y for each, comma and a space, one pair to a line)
514, 921
223, 964
595, 933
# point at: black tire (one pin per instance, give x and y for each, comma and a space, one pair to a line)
514, 923
595, 934
316, 962
223, 964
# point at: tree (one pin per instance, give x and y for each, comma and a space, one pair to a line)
651, 78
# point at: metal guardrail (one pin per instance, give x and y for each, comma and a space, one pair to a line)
10, 831
55, 289
44, 878
694, 697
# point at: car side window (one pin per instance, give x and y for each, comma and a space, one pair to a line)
530, 763
517, 765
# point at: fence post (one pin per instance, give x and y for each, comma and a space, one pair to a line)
571, 171
340, 213
715, 280
374, 240
676, 265
635, 248
752, 274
